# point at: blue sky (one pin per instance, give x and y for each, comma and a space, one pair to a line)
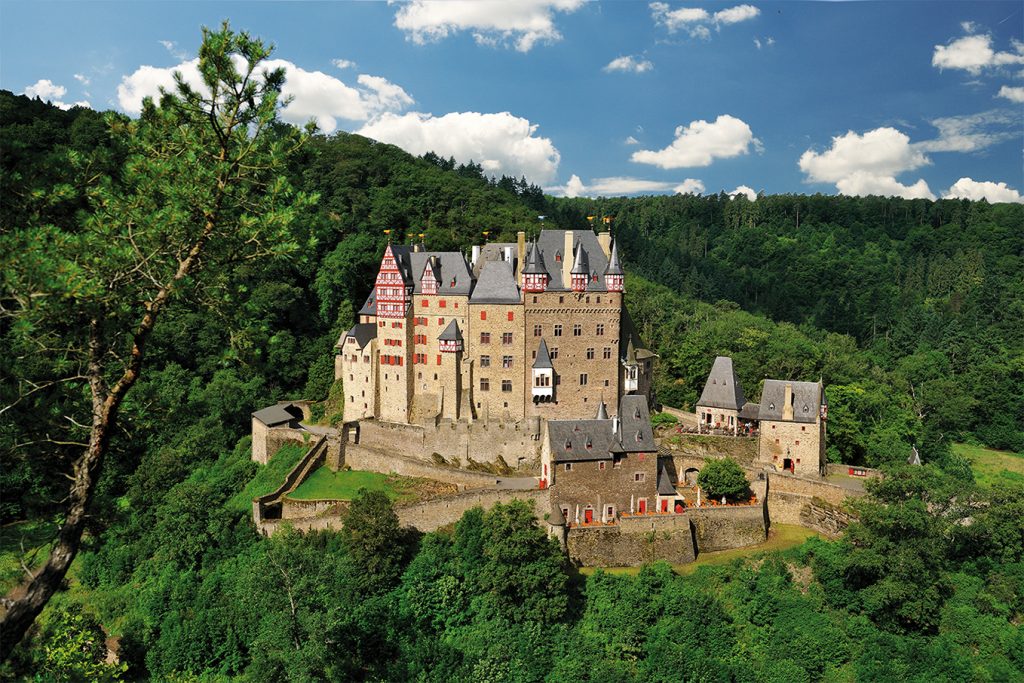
916, 99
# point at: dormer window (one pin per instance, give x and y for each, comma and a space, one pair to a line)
568, 445
558, 256
806, 408
636, 414
639, 436
771, 406
590, 445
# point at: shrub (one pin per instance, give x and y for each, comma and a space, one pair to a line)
724, 478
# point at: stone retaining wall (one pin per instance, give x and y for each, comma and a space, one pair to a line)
611, 547
825, 518
517, 444
361, 457
434, 514
292, 508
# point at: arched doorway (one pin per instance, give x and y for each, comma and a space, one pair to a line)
690, 476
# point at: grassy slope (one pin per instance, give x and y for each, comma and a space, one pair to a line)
268, 477
343, 485
781, 537
991, 466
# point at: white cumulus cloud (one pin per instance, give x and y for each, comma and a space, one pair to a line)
868, 164
629, 63
523, 23
1014, 94
696, 20
701, 142
966, 188
689, 186
617, 186
502, 143
343, 63
973, 53
83, 79
48, 91
630, 140
747, 192
972, 132
315, 95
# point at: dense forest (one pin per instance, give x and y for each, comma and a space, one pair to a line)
910, 310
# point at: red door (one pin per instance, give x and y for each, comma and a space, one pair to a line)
643, 506
664, 506
588, 516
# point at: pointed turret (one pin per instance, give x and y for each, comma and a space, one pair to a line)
613, 275
543, 360
602, 411
535, 276
543, 389
451, 338
580, 269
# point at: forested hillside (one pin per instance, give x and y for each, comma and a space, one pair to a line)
910, 311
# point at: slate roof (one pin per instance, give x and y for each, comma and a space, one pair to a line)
534, 263
451, 332
722, 388
553, 241
602, 411
497, 285
543, 360
614, 266
583, 440
363, 333
665, 487
635, 424
750, 411
806, 400
493, 251
370, 305
448, 266
278, 414
580, 262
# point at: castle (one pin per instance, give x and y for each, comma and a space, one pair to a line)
517, 333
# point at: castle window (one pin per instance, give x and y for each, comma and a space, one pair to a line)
438, 359
806, 408
639, 477
442, 303
598, 299
600, 329
506, 338
607, 352
577, 330
485, 337
771, 406
568, 445
506, 362
554, 352
617, 462
440, 321
803, 429
561, 299
558, 256
483, 315
485, 361
506, 385
534, 299
424, 303
485, 384
588, 299
511, 316
583, 379
558, 330
600, 465
798, 442
590, 354
590, 445
568, 467
538, 330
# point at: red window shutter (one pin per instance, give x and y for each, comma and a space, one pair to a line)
511, 316
483, 315
438, 359
424, 303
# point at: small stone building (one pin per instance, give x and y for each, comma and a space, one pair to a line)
793, 417
268, 425
600, 468
722, 400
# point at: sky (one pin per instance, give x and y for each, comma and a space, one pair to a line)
911, 99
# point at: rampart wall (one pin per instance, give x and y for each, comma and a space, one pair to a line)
517, 444
361, 457
610, 547
434, 514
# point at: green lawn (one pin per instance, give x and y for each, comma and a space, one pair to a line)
268, 477
23, 541
324, 484
991, 466
781, 537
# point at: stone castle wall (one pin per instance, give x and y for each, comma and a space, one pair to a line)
434, 514
361, 457
803, 443
825, 518
610, 547
516, 443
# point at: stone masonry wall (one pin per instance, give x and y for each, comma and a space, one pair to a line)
457, 443
491, 321
292, 508
280, 436
610, 547
825, 518
434, 514
360, 457
801, 442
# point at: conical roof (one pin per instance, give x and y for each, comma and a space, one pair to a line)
534, 263
543, 360
665, 487
556, 518
722, 388
614, 266
580, 265
602, 411
451, 333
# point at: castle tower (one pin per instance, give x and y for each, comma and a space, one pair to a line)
450, 342
543, 374
393, 291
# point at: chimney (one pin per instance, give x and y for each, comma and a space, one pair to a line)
605, 240
476, 255
787, 404
417, 247
521, 243
567, 255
